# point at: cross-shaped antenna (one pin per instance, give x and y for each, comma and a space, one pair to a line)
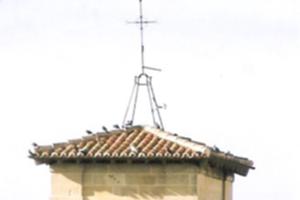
141, 22
143, 80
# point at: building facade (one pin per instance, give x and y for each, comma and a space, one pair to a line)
139, 163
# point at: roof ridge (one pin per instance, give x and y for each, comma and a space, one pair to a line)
183, 141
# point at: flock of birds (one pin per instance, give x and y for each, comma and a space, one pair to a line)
105, 129
116, 127
89, 132
132, 148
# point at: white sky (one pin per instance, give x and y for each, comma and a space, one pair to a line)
230, 77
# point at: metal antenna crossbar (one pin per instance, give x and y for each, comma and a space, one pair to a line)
143, 79
141, 22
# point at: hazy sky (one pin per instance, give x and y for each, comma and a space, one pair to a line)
230, 77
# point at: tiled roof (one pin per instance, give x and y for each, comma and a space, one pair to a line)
137, 143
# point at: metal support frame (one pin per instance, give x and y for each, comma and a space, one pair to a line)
129, 116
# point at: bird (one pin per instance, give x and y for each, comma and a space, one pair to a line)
133, 149
116, 126
84, 150
105, 129
157, 125
216, 148
35, 144
129, 123
31, 153
89, 132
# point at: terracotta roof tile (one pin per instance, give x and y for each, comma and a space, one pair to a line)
138, 142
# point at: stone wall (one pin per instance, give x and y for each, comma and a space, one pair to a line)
138, 182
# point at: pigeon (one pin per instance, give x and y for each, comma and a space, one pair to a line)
105, 129
133, 149
216, 148
129, 123
35, 144
157, 125
31, 153
84, 151
116, 126
89, 132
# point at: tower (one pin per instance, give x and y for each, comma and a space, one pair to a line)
135, 162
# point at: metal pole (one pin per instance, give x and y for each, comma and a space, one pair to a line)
142, 36
129, 103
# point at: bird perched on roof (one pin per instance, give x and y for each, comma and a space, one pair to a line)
31, 153
116, 126
89, 132
105, 129
35, 145
129, 123
215, 148
133, 149
84, 150
157, 125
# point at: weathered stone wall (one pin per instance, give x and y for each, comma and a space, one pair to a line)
138, 181
66, 182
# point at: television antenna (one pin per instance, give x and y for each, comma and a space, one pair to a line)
143, 80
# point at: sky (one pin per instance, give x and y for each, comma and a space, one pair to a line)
230, 77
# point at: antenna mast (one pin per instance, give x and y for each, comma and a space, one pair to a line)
143, 79
141, 22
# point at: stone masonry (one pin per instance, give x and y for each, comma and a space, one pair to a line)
182, 181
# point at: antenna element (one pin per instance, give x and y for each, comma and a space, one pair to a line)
143, 79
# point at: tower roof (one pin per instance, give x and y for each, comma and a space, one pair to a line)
138, 143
